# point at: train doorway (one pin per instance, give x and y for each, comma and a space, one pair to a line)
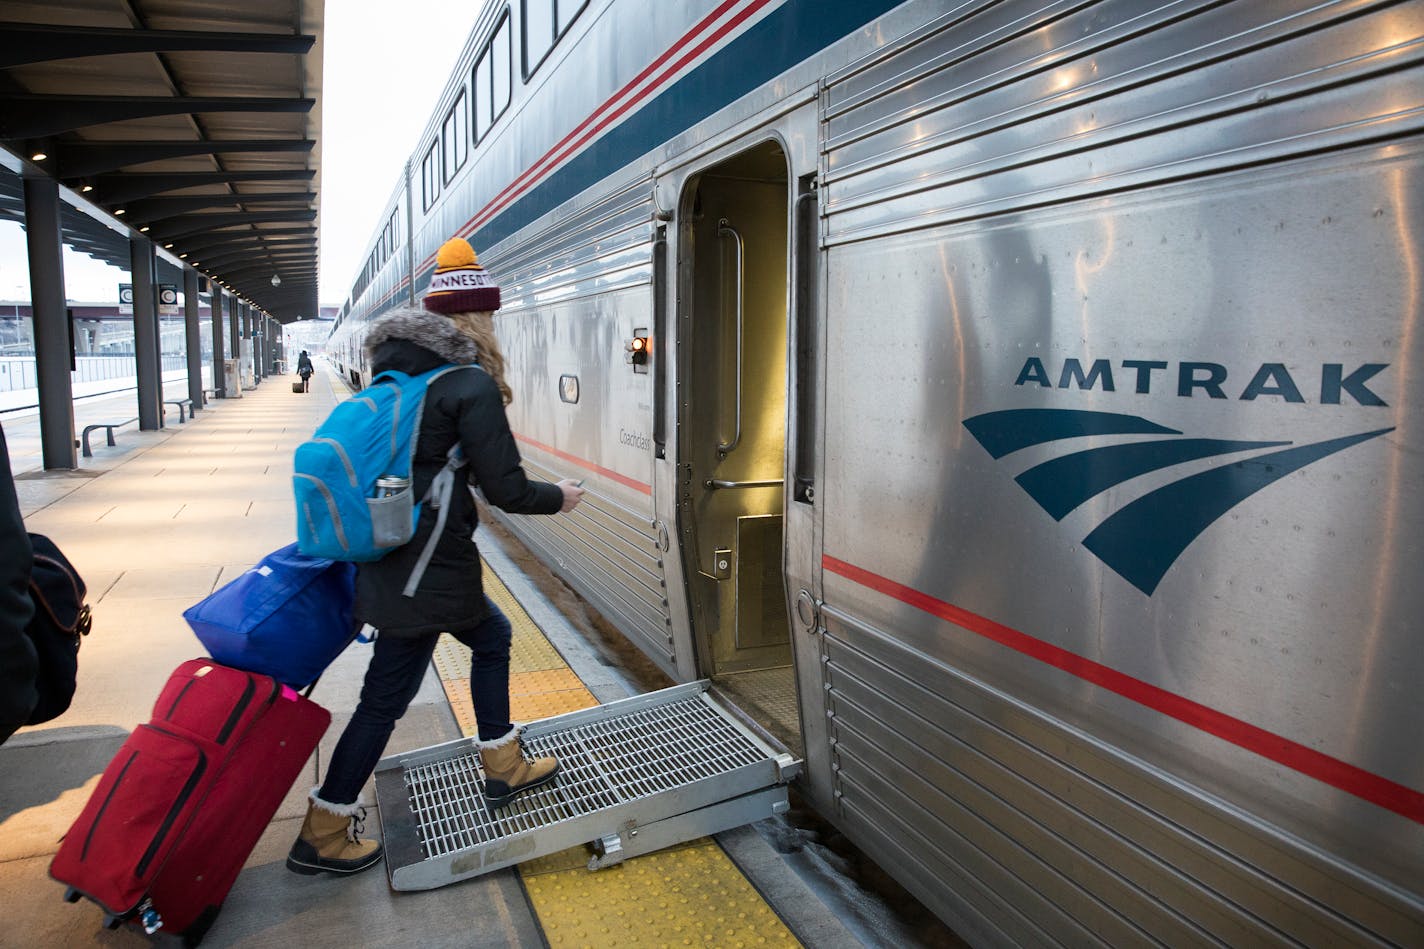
732, 326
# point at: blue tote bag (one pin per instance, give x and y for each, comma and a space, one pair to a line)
288, 617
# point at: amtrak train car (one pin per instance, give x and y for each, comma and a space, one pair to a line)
384, 281
1018, 407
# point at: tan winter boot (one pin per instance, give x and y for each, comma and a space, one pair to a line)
330, 839
506, 771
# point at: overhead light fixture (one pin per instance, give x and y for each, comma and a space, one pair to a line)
182, 256
120, 212
143, 230
167, 246
86, 189
276, 280
38, 156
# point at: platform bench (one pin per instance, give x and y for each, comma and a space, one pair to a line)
182, 405
110, 426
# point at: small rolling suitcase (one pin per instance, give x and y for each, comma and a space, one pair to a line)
298, 387
179, 809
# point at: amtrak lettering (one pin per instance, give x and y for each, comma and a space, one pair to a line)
635, 439
1209, 378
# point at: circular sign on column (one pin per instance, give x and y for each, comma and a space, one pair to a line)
168, 300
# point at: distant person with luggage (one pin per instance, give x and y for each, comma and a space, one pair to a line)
305, 370
464, 408
18, 663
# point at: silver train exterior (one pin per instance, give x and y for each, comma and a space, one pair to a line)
1032, 407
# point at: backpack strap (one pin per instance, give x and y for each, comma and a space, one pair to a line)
441, 488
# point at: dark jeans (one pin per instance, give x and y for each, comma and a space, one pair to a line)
397, 666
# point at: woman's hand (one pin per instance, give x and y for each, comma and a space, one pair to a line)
572, 494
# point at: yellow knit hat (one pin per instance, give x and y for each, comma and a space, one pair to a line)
460, 284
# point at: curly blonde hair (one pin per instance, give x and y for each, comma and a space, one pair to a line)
479, 327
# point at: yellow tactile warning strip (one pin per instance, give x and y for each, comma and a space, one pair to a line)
692, 895
686, 896
540, 683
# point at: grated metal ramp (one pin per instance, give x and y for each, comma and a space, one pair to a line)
635, 776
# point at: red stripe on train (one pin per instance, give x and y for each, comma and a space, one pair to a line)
1391, 796
588, 465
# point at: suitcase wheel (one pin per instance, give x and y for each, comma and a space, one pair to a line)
112, 922
71, 895
194, 934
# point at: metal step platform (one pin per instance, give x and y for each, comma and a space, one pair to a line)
635, 776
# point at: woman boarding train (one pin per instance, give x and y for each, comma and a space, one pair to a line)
467, 408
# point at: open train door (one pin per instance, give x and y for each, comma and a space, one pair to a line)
733, 271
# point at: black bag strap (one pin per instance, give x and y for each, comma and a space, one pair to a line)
57, 588
357, 626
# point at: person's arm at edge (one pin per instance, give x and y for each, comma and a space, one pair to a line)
494, 458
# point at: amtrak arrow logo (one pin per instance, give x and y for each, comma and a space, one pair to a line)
1141, 541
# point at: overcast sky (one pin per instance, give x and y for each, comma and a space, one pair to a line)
385, 65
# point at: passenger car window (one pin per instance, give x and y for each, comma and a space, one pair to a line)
484, 115
568, 11
544, 22
492, 81
499, 51
430, 176
455, 143
538, 33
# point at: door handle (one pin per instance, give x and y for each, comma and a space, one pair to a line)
724, 229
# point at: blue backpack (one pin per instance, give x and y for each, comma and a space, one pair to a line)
368, 437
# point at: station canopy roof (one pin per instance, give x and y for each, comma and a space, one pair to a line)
196, 122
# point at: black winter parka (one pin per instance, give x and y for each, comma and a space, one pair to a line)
463, 406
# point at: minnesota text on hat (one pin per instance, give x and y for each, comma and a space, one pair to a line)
460, 284
459, 279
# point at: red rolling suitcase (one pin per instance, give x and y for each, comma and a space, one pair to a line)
179, 809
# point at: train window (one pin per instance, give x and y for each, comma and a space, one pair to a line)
492, 80
455, 142
394, 227
430, 176
568, 11
544, 22
483, 111
499, 51
538, 33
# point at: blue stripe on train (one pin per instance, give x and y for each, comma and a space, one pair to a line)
792, 33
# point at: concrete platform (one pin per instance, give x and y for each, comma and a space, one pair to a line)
155, 524
174, 514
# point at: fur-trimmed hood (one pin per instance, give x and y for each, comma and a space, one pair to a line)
425, 329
